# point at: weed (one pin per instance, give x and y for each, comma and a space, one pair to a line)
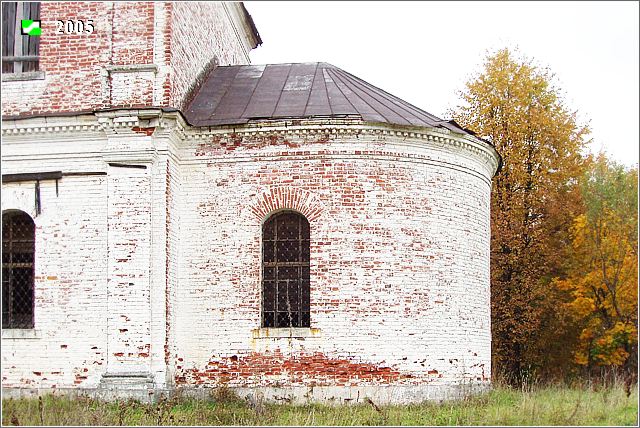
532, 405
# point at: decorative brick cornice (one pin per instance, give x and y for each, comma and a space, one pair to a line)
282, 198
318, 129
50, 125
159, 123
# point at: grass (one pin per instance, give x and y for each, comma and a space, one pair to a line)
502, 406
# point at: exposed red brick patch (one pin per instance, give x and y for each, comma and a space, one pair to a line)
145, 131
225, 143
316, 368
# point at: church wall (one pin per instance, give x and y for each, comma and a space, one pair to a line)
203, 35
399, 261
67, 347
140, 54
156, 271
71, 65
101, 260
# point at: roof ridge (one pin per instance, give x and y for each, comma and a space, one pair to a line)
377, 110
357, 84
306, 104
396, 100
407, 108
342, 92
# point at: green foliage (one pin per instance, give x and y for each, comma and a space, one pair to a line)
553, 405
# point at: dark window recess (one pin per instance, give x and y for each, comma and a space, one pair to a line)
285, 271
20, 53
18, 250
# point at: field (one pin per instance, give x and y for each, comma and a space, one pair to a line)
502, 406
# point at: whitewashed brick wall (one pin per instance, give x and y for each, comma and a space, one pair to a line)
399, 261
158, 269
68, 346
202, 33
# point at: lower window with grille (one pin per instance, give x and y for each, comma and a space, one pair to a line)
285, 271
18, 251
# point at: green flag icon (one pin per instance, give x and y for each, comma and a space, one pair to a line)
31, 27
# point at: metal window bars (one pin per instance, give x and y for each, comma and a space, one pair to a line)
285, 271
18, 251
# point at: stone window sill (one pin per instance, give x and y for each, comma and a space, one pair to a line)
15, 77
21, 333
288, 333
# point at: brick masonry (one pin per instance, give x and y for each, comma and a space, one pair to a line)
84, 72
148, 254
399, 255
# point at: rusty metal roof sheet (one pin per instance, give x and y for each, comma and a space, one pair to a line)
238, 94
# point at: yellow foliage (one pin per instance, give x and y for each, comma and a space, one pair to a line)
514, 105
604, 278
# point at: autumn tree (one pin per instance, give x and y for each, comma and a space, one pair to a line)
604, 274
513, 104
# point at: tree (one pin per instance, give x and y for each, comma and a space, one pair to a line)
513, 104
604, 273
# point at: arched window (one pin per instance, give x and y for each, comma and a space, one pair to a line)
18, 251
285, 271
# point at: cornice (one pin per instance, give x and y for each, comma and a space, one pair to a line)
352, 128
51, 125
171, 124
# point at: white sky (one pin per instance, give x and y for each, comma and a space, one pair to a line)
424, 52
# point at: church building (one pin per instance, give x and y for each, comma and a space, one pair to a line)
177, 219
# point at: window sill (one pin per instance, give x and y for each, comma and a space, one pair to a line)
15, 77
293, 332
21, 333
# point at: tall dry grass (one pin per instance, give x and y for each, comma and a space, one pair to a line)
530, 404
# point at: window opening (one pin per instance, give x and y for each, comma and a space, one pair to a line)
285, 271
20, 53
18, 251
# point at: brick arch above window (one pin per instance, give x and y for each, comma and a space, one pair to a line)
287, 198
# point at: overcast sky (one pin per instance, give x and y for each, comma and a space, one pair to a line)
424, 52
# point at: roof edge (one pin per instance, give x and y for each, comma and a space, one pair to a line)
250, 26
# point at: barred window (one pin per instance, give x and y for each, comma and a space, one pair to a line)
18, 251
285, 271
19, 52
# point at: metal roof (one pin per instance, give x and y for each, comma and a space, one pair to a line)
241, 93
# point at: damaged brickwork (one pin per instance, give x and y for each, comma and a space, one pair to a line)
399, 257
148, 249
140, 54
398, 238
275, 369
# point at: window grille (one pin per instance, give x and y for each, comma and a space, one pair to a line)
20, 54
285, 271
18, 250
